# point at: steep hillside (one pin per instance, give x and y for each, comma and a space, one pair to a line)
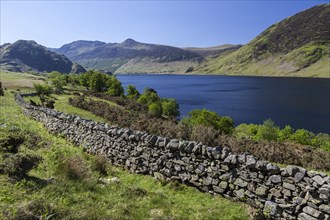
130, 56
296, 46
213, 51
23, 56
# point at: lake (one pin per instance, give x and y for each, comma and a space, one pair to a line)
299, 102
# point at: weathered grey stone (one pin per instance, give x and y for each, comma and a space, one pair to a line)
319, 180
271, 209
272, 168
240, 194
250, 162
298, 177
197, 150
231, 159
207, 181
241, 183
299, 201
275, 179
289, 186
292, 170
223, 185
218, 189
313, 212
209, 152
276, 192
325, 208
225, 152
261, 191
286, 192
261, 165
216, 152
304, 216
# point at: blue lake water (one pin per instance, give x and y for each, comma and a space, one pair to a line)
300, 102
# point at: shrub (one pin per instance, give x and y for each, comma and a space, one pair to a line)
267, 131
18, 165
10, 140
244, 131
285, 133
302, 136
43, 89
132, 92
204, 134
155, 109
210, 119
170, 108
36, 209
149, 96
114, 87
99, 164
74, 168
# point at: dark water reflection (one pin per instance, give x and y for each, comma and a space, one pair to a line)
300, 102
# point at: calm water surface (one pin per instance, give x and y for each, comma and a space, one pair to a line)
300, 102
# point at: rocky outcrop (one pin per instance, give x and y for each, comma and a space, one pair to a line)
23, 56
281, 193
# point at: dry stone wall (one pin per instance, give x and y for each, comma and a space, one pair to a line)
281, 193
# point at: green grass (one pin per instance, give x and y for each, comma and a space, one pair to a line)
23, 81
134, 197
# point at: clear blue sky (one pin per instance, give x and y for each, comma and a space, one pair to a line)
177, 23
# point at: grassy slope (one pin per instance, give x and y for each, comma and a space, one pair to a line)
80, 200
281, 50
240, 62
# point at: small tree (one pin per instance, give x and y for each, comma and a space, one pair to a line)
210, 119
114, 86
268, 131
149, 96
302, 136
170, 108
132, 92
43, 89
155, 109
285, 133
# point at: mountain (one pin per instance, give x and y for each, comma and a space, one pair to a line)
130, 56
24, 55
296, 46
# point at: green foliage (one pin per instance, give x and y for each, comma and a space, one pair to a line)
43, 89
132, 92
18, 165
97, 81
155, 109
58, 81
114, 87
100, 82
74, 168
285, 133
170, 108
267, 131
149, 96
302, 136
210, 119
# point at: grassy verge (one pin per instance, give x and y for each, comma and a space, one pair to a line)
51, 192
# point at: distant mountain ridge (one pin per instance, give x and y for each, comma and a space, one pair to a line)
131, 56
297, 46
26, 55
